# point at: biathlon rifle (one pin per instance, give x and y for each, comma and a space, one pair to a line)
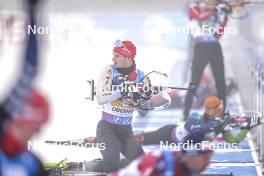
239, 3
241, 121
236, 9
126, 86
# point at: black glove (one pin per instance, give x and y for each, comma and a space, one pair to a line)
147, 90
135, 95
146, 95
128, 94
124, 88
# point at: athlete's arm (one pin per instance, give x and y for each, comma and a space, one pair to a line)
231, 138
104, 92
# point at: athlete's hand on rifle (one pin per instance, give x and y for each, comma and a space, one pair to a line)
245, 121
253, 121
146, 89
126, 89
129, 91
131, 95
226, 126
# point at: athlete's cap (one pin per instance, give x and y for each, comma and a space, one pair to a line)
211, 102
125, 48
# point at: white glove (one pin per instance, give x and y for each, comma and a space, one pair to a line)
254, 120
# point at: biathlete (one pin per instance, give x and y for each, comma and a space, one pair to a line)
114, 130
212, 121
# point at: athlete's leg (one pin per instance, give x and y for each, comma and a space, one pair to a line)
217, 65
105, 134
130, 147
154, 137
200, 59
148, 138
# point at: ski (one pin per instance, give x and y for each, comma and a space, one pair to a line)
65, 168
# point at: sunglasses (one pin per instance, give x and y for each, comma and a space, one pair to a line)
119, 43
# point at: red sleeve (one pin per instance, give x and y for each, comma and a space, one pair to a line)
194, 13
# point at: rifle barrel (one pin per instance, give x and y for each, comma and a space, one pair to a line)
180, 88
253, 2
